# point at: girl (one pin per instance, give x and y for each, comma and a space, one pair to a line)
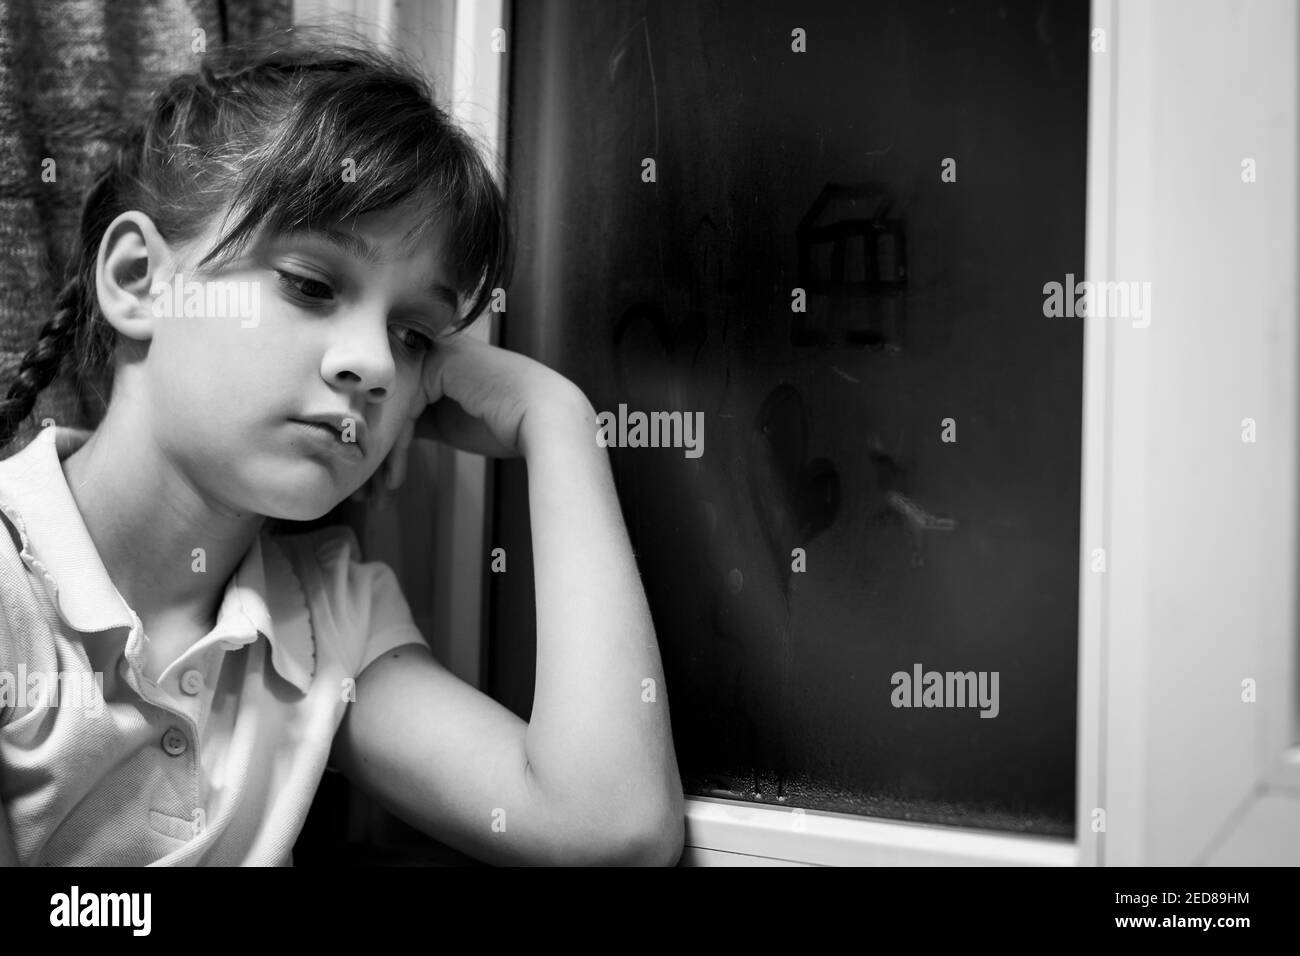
274, 269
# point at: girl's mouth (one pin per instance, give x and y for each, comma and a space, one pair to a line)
321, 437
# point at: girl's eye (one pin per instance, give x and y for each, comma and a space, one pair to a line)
313, 291
416, 342
304, 288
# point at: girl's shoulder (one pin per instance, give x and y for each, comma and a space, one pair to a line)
327, 561
360, 599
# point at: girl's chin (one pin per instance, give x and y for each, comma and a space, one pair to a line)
304, 503
298, 513
303, 490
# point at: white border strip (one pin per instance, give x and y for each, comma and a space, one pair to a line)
1092, 728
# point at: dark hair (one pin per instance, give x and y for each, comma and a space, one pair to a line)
266, 130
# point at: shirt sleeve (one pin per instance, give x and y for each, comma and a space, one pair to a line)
391, 624
369, 601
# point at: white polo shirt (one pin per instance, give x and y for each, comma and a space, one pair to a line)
217, 762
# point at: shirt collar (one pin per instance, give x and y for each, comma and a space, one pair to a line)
263, 596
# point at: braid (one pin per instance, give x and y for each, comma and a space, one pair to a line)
69, 331
43, 360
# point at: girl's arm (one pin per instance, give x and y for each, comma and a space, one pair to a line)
592, 777
600, 726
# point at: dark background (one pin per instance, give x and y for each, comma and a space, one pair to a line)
676, 295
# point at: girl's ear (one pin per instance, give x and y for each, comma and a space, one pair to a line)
132, 261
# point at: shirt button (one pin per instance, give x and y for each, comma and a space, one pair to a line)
174, 742
191, 682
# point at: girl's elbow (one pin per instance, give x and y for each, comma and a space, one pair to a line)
667, 843
655, 839
660, 846
663, 836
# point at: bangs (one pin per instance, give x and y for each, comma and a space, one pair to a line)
348, 144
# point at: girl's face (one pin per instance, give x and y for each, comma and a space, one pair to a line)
327, 326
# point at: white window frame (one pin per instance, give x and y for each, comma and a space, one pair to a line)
1184, 770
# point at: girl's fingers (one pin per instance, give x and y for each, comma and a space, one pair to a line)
396, 472
449, 423
378, 495
434, 369
378, 487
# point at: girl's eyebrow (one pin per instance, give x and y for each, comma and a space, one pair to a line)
356, 246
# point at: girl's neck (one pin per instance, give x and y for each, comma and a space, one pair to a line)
147, 519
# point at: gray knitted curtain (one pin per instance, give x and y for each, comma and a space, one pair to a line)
71, 73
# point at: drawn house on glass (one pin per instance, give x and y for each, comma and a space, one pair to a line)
853, 270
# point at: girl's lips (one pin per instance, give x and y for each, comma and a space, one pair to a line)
324, 438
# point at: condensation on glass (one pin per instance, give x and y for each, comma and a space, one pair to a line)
865, 586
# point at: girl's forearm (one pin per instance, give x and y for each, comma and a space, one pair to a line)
599, 739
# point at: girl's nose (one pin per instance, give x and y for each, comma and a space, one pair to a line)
361, 364
351, 381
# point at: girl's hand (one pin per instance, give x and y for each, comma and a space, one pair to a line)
474, 397
388, 478
490, 401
